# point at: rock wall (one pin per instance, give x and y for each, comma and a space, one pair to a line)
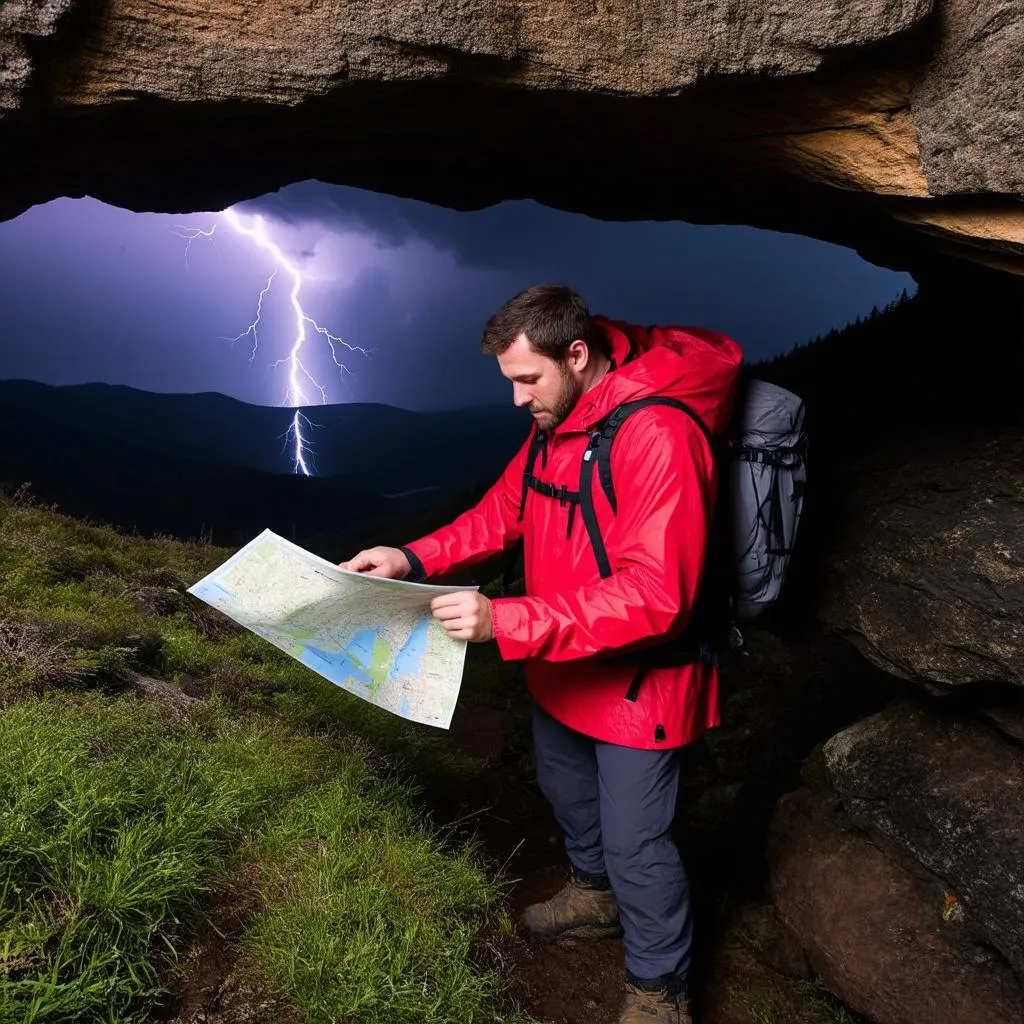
899, 865
898, 869
894, 126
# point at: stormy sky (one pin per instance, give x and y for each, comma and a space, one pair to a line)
89, 292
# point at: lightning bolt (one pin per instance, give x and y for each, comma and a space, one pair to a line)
299, 376
190, 235
252, 331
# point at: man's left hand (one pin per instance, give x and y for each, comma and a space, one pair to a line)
465, 615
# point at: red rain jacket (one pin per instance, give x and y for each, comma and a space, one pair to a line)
577, 632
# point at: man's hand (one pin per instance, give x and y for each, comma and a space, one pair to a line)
390, 563
466, 615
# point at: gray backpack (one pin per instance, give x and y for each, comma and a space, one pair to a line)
767, 471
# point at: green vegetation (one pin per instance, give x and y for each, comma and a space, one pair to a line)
278, 809
780, 1002
758, 994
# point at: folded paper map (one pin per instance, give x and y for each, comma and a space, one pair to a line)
373, 637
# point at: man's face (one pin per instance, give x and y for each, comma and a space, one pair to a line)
549, 389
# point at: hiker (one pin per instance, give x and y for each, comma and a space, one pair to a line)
610, 580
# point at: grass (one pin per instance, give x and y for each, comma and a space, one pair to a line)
383, 927
757, 994
787, 1003
124, 828
116, 822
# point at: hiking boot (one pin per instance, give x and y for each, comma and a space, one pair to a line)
655, 1007
578, 910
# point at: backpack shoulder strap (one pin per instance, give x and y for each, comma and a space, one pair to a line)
538, 445
613, 422
598, 453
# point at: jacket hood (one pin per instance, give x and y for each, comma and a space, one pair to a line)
695, 365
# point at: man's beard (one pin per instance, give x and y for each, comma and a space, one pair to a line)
564, 404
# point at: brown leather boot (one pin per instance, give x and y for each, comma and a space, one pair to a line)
657, 1007
576, 911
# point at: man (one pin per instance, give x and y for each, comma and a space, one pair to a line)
607, 723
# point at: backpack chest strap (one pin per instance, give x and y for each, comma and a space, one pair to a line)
561, 494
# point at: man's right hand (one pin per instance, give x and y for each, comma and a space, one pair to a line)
388, 562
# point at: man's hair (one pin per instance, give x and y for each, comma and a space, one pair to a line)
552, 316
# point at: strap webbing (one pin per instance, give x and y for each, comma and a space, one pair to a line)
782, 458
587, 510
599, 452
538, 444
561, 494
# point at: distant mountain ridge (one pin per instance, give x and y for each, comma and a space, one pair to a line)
211, 427
207, 464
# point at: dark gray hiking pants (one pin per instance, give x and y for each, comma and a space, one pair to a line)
615, 806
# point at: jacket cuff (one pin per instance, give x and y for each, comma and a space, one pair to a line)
417, 574
507, 619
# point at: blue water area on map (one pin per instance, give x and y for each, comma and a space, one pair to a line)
339, 668
343, 667
410, 658
361, 646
